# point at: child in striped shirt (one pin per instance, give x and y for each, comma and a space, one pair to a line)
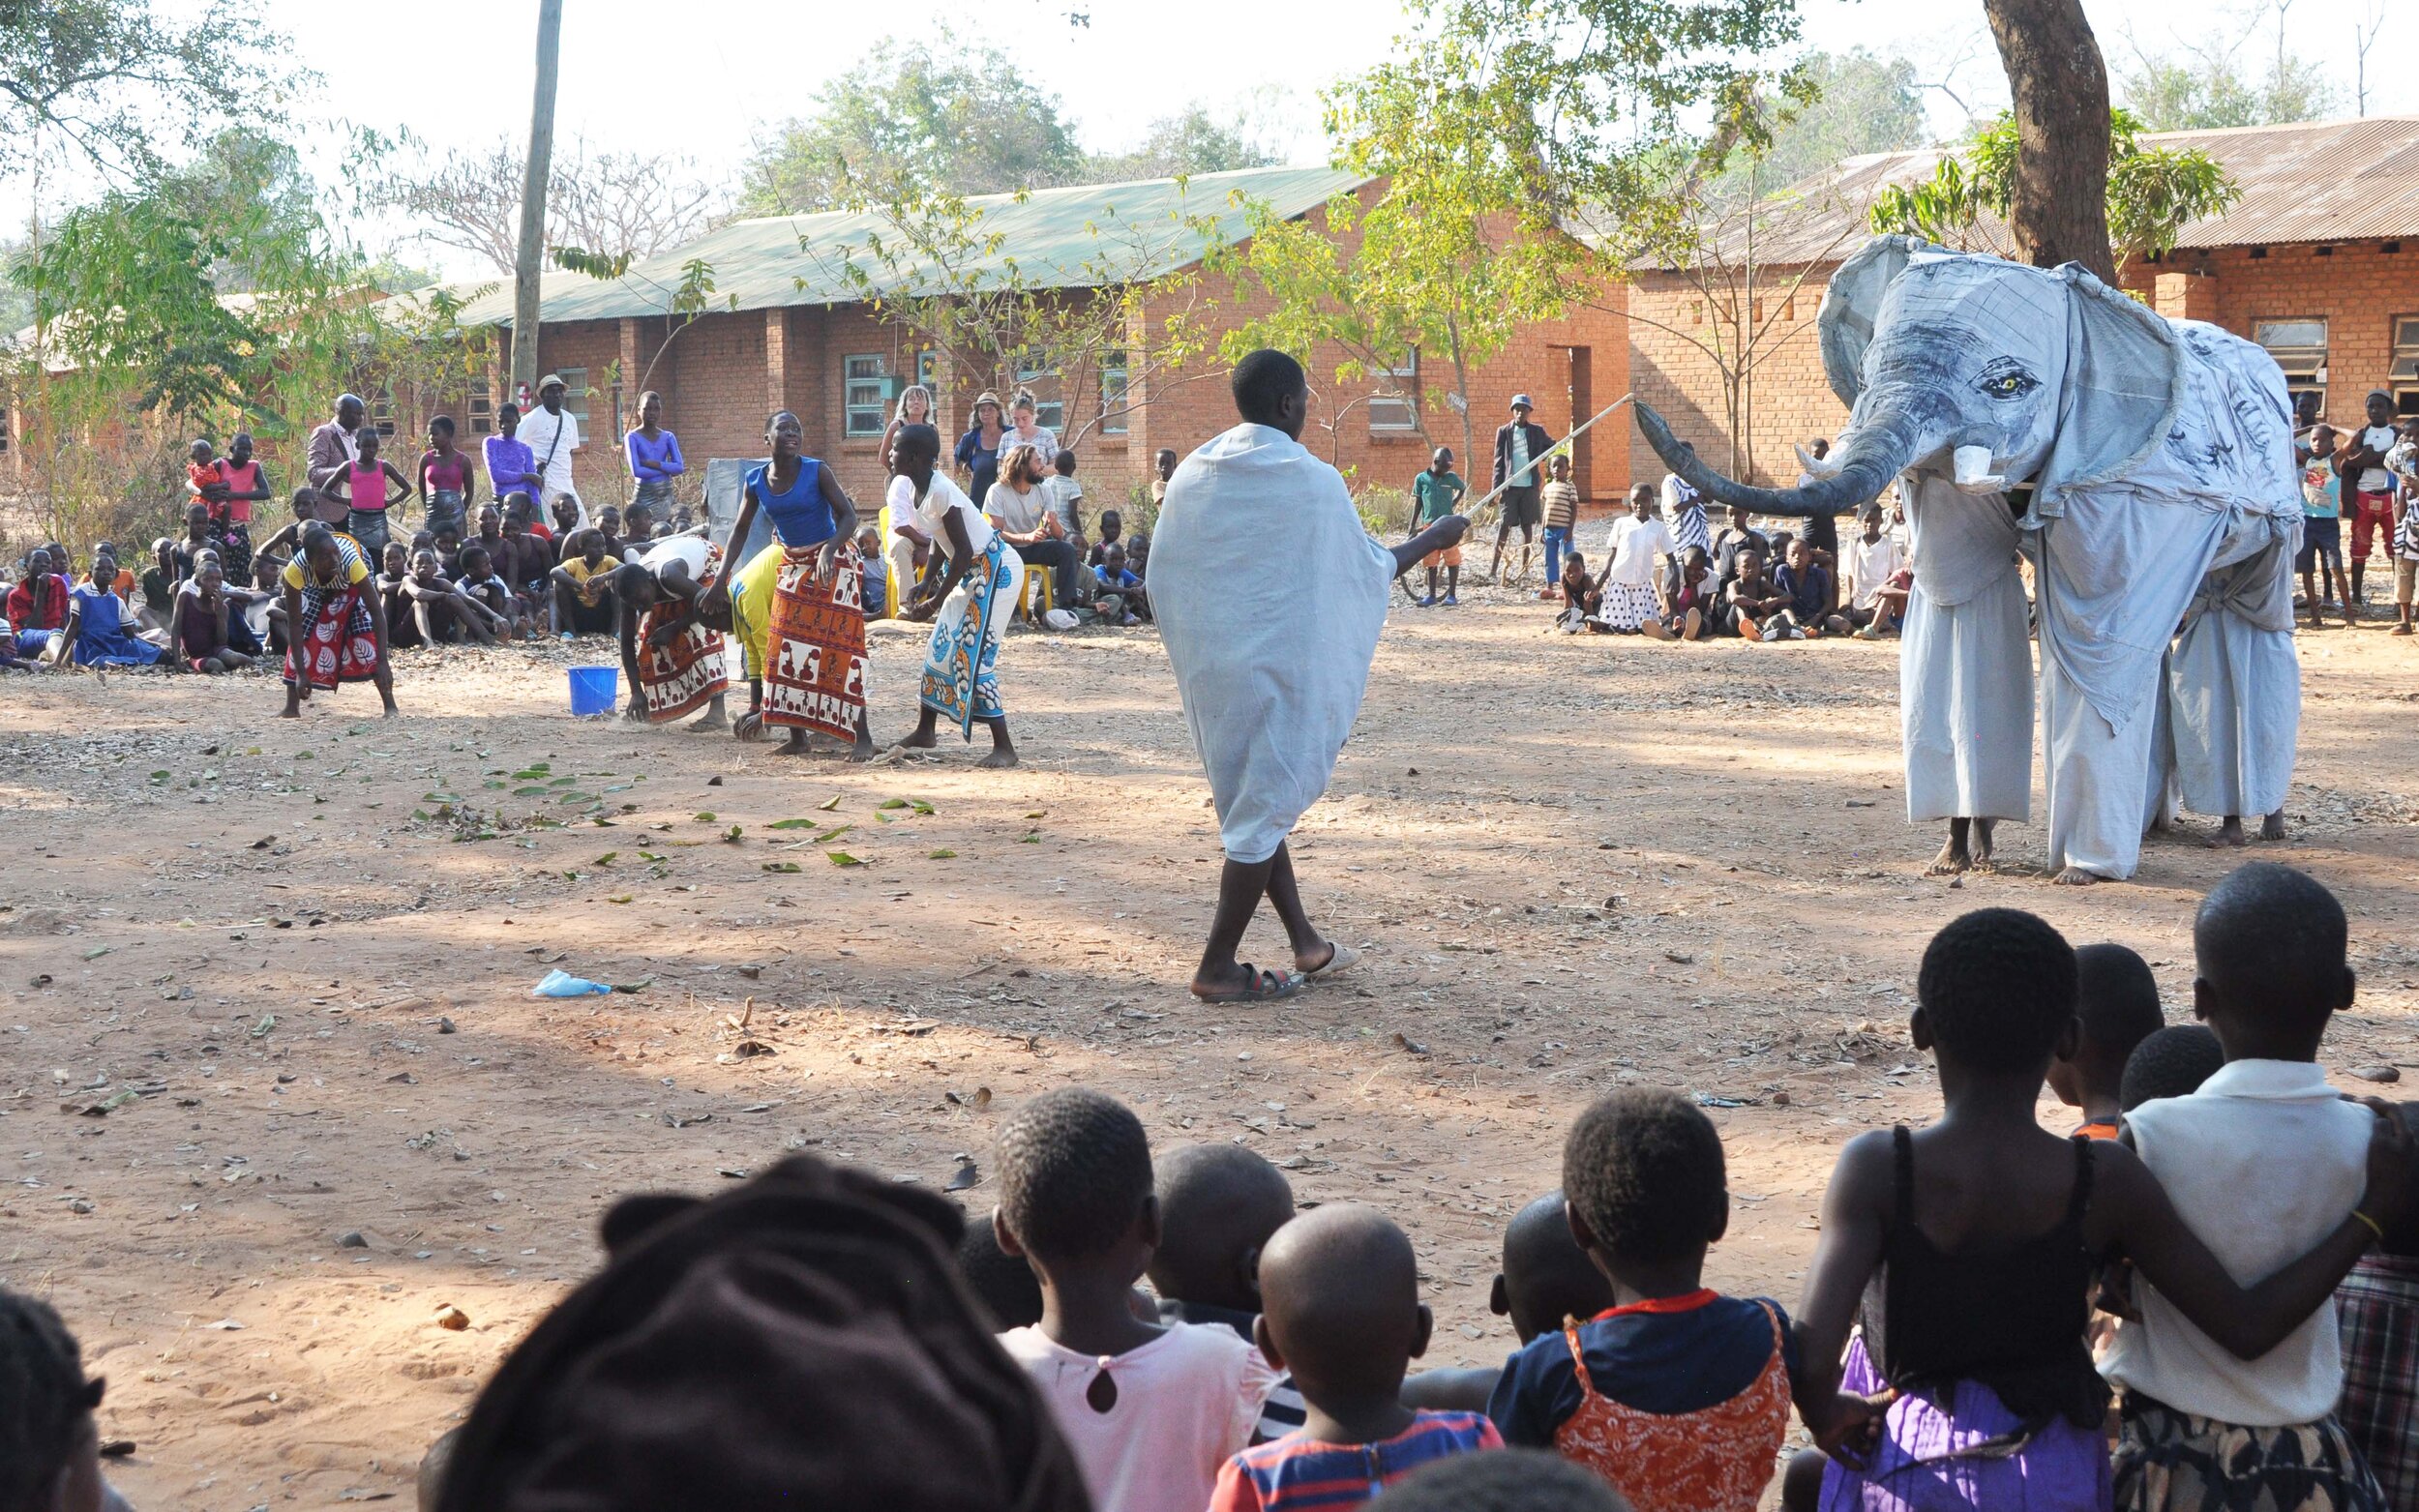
1561, 498
1339, 1292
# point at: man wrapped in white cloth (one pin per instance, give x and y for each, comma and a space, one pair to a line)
1965, 669
1269, 596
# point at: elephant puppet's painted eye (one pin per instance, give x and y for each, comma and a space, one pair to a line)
2007, 378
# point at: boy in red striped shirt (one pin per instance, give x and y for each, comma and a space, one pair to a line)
1340, 1292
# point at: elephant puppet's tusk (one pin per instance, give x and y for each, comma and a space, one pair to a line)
1973, 470
1819, 466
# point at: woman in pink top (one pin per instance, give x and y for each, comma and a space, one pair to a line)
367, 495
243, 483
446, 481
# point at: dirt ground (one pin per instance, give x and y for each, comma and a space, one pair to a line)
275, 1089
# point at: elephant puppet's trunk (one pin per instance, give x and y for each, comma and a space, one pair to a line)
1874, 455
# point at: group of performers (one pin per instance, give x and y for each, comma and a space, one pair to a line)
797, 609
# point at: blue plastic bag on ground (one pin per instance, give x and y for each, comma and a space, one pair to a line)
562, 984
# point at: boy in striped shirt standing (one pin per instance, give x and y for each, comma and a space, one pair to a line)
1339, 1289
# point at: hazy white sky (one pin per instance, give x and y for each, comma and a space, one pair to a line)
701, 78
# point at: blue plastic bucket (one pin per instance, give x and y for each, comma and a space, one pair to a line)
594, 690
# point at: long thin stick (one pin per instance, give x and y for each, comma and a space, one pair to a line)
1537, 464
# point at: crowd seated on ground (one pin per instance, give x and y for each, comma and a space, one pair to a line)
2152, 1310
526, 561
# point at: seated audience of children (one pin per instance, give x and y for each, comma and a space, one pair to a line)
781, 1341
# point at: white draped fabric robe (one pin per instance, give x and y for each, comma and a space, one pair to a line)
2119, 562
1966, 664
1269, 595
2234, 682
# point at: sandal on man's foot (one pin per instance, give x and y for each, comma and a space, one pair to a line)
1264, 987
1342, 958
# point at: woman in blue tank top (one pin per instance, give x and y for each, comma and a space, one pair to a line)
798, 605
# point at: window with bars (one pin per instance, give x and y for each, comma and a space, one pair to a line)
383, 410
1039, 374
6, 430
864, 389
1115, 378
1398, 409
2403, 378
2299, 348
479, 410
575, 395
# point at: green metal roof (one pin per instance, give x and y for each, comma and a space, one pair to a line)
1052, 238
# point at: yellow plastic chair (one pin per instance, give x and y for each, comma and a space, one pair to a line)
890, 575
1036, 584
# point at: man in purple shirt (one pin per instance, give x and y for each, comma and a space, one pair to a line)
511, 466
332, 444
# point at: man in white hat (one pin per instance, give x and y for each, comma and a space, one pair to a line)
1519, 451
552, 434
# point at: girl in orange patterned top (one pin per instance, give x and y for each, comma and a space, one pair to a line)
1677, 1395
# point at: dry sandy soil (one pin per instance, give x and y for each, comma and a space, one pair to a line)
298, 978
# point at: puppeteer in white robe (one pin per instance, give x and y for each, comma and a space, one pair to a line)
1965, 664
2234, 680
1269, 596
2120, 557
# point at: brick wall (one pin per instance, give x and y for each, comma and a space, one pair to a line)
726, 370
2357, 287
1675, 329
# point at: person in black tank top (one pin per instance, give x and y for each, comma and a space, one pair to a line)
1967, 1250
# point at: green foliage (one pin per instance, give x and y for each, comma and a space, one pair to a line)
128, 286
939, 270
1854, 103
596, 265
1191, 141
187, 303
2206, 91
1597, 94
971, 122
1455, 253
2153, 191
107, 83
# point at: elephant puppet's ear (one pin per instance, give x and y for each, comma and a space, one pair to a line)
1851, 302
2124, 381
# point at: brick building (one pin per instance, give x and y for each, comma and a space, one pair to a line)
787, 328
2310, 263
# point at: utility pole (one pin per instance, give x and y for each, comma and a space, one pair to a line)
534, 195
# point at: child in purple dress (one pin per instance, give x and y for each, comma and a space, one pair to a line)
1969, 1247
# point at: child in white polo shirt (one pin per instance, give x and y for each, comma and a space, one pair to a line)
2264, 1161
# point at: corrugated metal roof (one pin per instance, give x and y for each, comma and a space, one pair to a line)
1055, 238
2317, 181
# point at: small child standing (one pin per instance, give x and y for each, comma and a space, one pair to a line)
1678, 1396
1061, 495
1434, 494
2117, 1001
1152, 1411
2402, 462
1561, 498
1341, 1310
2321, 553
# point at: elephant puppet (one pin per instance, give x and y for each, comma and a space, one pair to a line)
2121, 451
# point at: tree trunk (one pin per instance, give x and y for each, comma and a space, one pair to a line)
536, 177
2060, 86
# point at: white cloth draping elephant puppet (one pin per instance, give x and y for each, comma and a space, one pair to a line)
2120, 450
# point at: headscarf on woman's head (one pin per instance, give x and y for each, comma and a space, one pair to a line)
802, 1341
